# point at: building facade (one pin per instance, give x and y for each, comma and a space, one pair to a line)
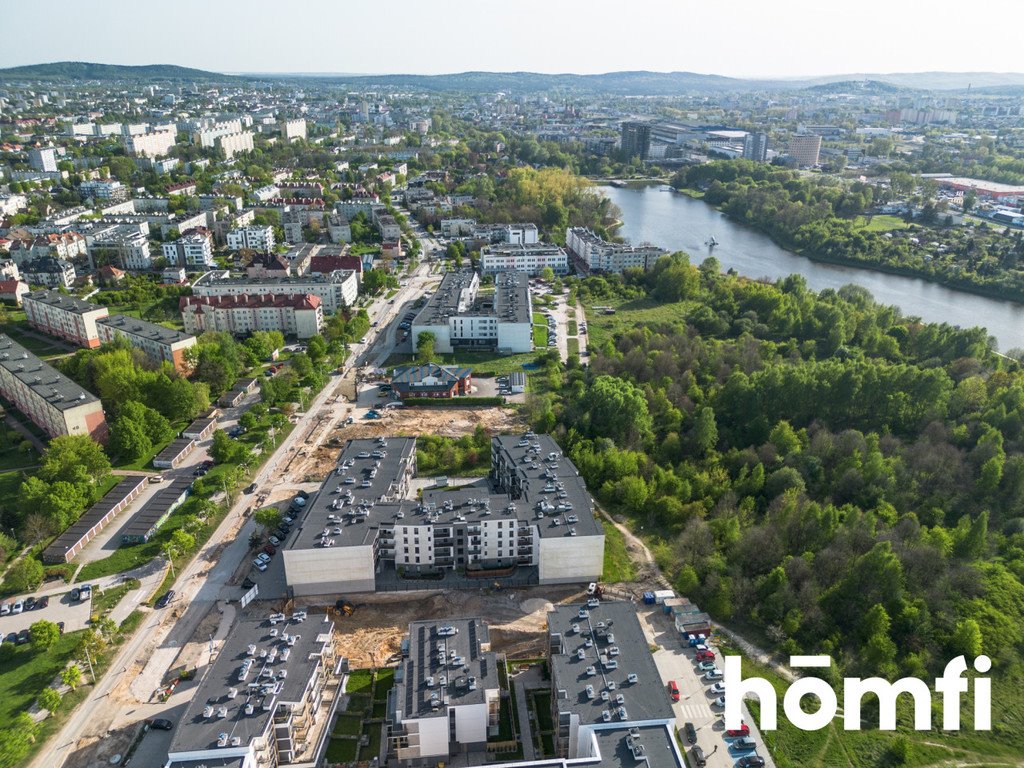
530, 259
336, 290
253, 237
635, 139
805, 150
299, 315
193, 250
66, 317
153, 144
594, 254
158, 341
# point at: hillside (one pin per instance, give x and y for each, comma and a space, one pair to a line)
82, 70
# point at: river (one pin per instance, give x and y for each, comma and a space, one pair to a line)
679, 223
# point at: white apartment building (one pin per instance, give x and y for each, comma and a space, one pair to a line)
233, 143
338, 228
254, 237
43, 159
299, 315
104, 190
192, 250
292, 129
512, 234
207, 137
152, 145
530, 259
337, 289
126, 246
459, 318
457, 227
390, 229
597, 255
12, 203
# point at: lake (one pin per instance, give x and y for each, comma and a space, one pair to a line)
679, 223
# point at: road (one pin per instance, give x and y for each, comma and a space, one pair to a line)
202, 582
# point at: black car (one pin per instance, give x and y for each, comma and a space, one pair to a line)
165, 599
248, 583
76, 594
23, 637
161, 724
751, 761
30, 603
42, 602
691, 733
303, 494
281, 534
251, 487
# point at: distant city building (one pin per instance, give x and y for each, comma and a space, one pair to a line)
805, 150
193, 250
48, 271
594, 254
459, 317
114, 191
126, 246
254, 237
292, 129
52, 401
152, 145
338, 228
531, 259
636, 139
43, 159
755, 147
299, 315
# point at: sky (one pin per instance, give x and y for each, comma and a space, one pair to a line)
739, 38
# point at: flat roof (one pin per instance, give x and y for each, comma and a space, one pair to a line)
424, 678
42, 378
145, 329
74, 533
448, 299
156, 508
175, 448
63, 301
985, 186
655, 742
279, 671
601, 647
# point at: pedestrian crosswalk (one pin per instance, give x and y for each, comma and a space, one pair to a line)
695, 711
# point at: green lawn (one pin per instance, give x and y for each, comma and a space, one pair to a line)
482, 363
617, 565
572, 346
572, 328
105, 600
373, 749
359, 681
385, 682
341, 750
347, 725
542, 707
880, 223
629, 315
540, 331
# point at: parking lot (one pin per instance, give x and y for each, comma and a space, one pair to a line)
61, 608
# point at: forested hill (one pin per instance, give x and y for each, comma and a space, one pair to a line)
82, 70
832, 475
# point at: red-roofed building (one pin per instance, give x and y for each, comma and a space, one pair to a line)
12, 291
299, 315
324, 265
110, 275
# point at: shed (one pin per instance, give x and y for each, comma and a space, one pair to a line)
172, 456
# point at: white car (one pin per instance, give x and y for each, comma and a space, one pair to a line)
263, 557
718, 689
719, 702
18, 607
713, 674
275, 541
259, 565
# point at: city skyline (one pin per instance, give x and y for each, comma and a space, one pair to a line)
442, 37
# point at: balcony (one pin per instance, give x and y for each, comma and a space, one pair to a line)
474, 528
443, 541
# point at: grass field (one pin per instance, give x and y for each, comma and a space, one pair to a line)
572, 329
617, 565
880, 223
481, 362
572, 346
341, 750
347, 725
628, 315
540, 330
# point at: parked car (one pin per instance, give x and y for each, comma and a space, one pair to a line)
161, 724
156, 478
743, 730
744, 744
750, 761
697, 757
30, 603
719, 702
263, 557
165, 598
690, 733
259, 565
713, 674
270, 549
718, 689
706, 666
42, 602
705, 655
23, 637
76, 594
86, 591
274, 541
250, 488
18, 607
12, 637
5, 609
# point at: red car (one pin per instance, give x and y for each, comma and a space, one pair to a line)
743, 730
270, 550
705, 655
673, 690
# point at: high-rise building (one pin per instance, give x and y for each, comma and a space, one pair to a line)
755, 147
636, 139
44, 159
804, 149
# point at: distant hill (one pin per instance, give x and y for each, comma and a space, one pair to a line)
83, 70
856, 86
928, 81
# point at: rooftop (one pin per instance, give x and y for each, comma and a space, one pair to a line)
600, 663
156, 508
144, 329
260, 666
42, 378
449, 662
251, 301
77, 530
63, 301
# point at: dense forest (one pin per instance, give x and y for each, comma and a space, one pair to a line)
817, 466
817, 218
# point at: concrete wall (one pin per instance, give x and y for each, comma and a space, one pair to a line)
328, 570
516, 337
567, 559
471, 723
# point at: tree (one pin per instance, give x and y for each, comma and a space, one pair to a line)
425, 347
970, 199
267, 517
618, 410
49, 699
966, 639
16, 740
182, 542
705, 431
44, 634
67, 455
547, 274
128, 439
302, 365
72, 675
317, 348
24, 576
224, 450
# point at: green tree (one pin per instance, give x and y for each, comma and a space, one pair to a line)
69, 455
267, 517
49, 699
72, 675
302, 365
425, 347
182, 542
317, 348
24, 576
224, 450
966, 639
44, 634
618, 410
705, 431
128, 439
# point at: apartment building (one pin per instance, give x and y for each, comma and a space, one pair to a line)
158, 341
52, 401
457, 227
292, 129
805, 150
253, 237
66, 317
299, 315
43, 159
512, 234
390, 230
222, 227
152, 144
337, 290
594, 254
13, 291
530, 259
124, 245
446, 698
459, 317
105, 190
56, 273
193, 250
266, 699
207, 137
338, 228
233, 143
531, 521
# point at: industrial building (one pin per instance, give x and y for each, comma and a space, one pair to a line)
460, 317
531, 520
